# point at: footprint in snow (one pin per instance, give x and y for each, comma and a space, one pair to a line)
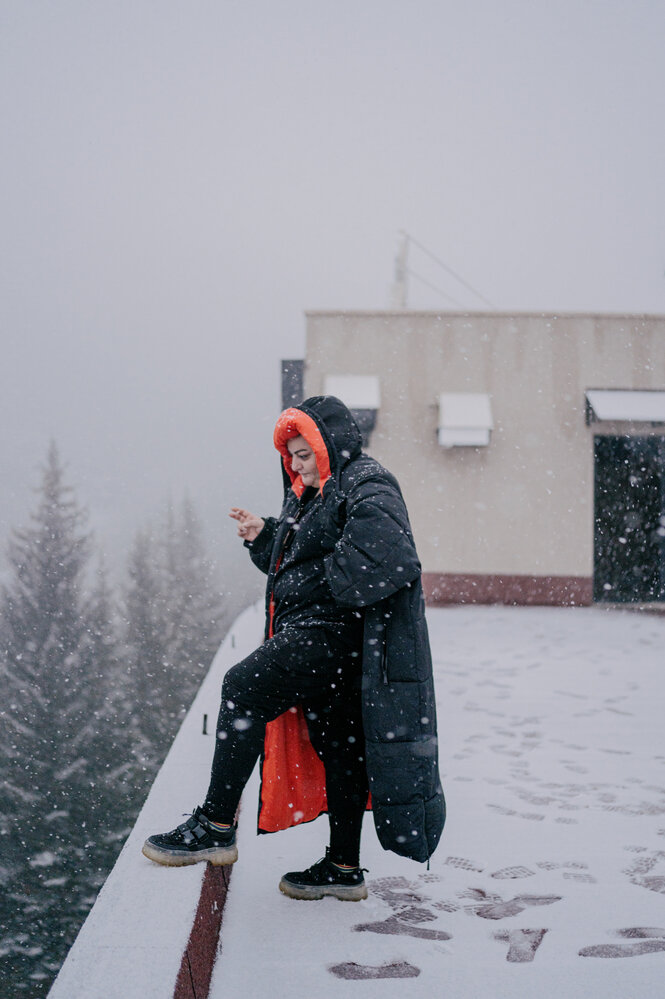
647, 940
648, 871
394, 926
352, 971
409, 911
464, 864
513, 872
522, 944
490, 906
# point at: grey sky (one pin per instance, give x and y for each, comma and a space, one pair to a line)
180, 181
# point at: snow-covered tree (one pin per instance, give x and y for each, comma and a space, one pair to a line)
195, 602
106, 727
51, 738
48, 695
173, 626
90, 706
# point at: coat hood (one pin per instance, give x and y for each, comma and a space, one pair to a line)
330, 430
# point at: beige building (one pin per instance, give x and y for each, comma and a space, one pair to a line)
530, 448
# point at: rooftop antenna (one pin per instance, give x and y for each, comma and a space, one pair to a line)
399, 285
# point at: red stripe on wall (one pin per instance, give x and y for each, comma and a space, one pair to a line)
193, 981
442, 589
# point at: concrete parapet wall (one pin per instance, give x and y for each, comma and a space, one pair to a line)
442, 589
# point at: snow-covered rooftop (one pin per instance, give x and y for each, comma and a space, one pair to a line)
550, 875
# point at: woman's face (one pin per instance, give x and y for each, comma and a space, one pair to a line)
303, 461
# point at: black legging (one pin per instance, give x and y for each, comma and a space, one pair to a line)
314, 668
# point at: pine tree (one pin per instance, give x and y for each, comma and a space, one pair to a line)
48, 736
85, 719
196, 599
106, 728
43, 626
174, 627
146, 626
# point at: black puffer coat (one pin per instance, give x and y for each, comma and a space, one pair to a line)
358, 554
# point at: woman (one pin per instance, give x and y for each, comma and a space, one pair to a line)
339, 699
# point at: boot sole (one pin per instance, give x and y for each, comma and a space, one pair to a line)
217, 856
311, 893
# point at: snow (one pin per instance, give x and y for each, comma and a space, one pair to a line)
553, 764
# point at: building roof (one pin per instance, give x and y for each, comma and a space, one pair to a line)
552, 858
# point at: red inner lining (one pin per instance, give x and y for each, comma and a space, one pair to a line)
293, 786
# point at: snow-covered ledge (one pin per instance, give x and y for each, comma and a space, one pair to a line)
131, 945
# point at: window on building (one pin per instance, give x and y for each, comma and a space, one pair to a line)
629, 518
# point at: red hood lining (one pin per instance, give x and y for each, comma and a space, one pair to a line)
294, 423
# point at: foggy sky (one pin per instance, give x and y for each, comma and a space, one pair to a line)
181, 181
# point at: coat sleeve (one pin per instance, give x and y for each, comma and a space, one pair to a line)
261, 548
375, 555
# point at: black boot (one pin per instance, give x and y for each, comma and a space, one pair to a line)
194, 841
325, 878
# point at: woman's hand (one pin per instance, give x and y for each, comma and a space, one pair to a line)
250, 526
